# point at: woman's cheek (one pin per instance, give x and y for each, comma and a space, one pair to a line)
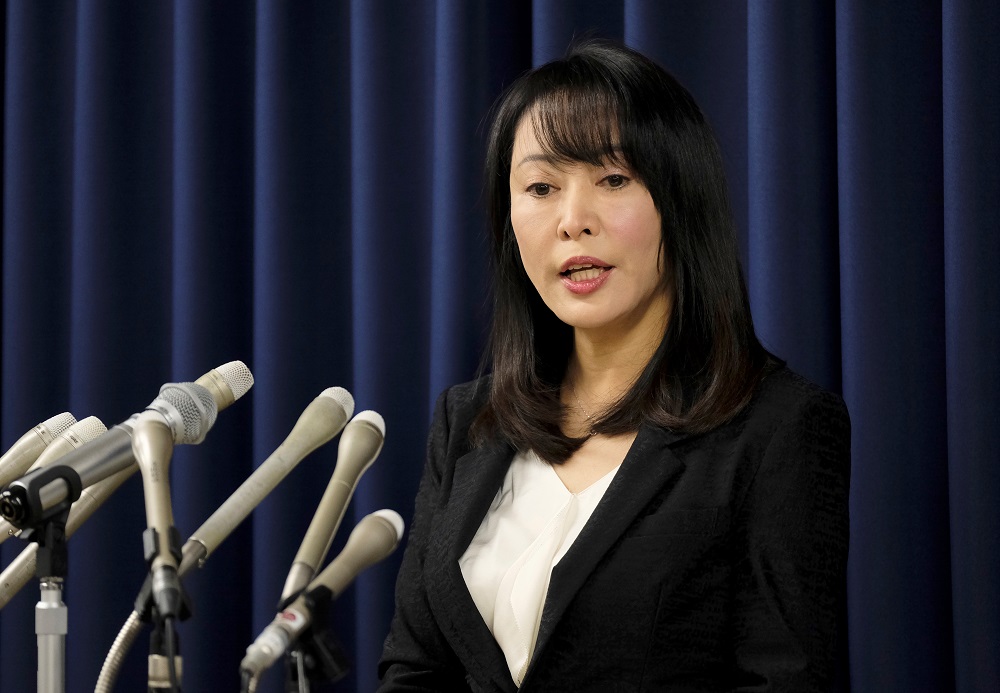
636, 226
529, 241
530, 260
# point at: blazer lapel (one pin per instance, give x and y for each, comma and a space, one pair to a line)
478, 476
648, 466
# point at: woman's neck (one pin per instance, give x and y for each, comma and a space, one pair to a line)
606, 362
602, 370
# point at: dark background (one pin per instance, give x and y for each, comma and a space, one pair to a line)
297, 185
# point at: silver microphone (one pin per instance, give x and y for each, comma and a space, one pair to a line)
28, 447
319, 422
75, 436
83, 431
111, 452
17, 574
373, 539
183, 413
359, 445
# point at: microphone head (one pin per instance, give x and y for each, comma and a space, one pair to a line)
237, 376
58, 423
227, 383
87, 429
341, 397
189, 410
75, 436
360, 443
372, 418
394, 519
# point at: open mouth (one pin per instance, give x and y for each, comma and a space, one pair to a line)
582, 273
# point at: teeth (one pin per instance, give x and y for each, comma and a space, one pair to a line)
580, 275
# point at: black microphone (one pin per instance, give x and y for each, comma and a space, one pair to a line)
28, 447
373, 539
359, 445
24, 505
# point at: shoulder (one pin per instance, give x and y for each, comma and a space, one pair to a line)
788, 417
793, 407
783, 394
796, 429
465, 400
459, 405
456, 409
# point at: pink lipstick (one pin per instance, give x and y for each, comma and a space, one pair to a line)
584, 274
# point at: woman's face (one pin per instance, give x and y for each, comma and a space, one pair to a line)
589, 238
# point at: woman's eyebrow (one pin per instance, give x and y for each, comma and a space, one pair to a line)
547, 158
555, 160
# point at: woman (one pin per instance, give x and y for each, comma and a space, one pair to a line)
639, 497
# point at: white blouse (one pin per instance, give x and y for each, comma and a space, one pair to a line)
529, 527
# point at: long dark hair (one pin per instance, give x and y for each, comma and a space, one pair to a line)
603, 102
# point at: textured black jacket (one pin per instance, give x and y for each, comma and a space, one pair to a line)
714, 562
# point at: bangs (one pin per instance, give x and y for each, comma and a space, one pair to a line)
579, 125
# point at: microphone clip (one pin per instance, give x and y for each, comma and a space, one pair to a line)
151, 543
45, 528
318, 656
52, 559
146, 602
21, 502
146, 607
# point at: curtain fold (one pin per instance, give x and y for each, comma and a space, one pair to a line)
792, 264
890, 200
212, 285
392, 125
119, 297
971, 135
36, 266
302, 284
707, 52
298, 185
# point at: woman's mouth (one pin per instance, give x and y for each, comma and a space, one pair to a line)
584, 275
583, 272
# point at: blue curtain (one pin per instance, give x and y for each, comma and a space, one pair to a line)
297, 185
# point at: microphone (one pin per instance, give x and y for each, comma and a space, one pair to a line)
374, 538
183, 413
22, 504
359, 445
22, 569
319, 422
72, 438
28, 447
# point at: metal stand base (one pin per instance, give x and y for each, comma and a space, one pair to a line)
51, 620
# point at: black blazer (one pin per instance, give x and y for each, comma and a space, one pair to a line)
714, 562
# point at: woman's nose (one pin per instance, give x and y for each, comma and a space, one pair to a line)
578, 217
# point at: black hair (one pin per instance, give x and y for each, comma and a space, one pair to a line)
603, 102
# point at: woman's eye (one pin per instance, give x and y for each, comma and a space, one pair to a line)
539, 189
616, 180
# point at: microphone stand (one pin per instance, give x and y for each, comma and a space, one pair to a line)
318, 656
165, 665
48, 530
